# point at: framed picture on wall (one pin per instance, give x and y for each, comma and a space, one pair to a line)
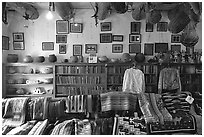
62, 27
62, 49
176, 47
76, 27
105, 37
135, 27
175, 38
18, 36
61, 38
135, 48
105, 26
162, 26
118, 38
149, 27
117, 48
148, 49
47, 45
77, 50
18, 45
90, 48
134, 38
5, 43
161, 47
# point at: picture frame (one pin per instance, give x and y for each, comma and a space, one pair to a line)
135, 48
5, 43
189, 50
90, 48
105, 26
176, 47
161, 47
47, 45
135, 27
62, 49
162, 26
149, 27
106, 38
77, 50
175, 38
61, 38
18, 36
134, 38
149, 49
117, 48
62, 27
76, 27
18, 45
118, 38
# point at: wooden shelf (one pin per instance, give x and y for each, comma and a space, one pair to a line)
82, 74
23, 74
42, 84
31, 95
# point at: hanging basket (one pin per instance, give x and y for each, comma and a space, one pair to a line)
154, 16
138, 11
120, 7
103, 9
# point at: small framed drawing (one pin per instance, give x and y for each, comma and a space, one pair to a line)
5, 43
18, 45
77, 50
134, 38
62, 49
135, 27
135, 48
105, 26
105, 37
62, 27
47, 45
175, 38
61, 38
117, 48
148, 49
76, 27
118, 38
161, 47
162, 26
90, 48
149, 27
18, 36
176, 47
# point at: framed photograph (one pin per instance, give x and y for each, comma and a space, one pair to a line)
118, 38
77, 50
105, 26
18, 45
148, 49
90, 48
76, 27
161, 47
162, 26
18, 36
175, 38
62, 27
5, 43
190, 50
134, 38
117, 48
61, 38
149, 27
135, 27
105, 37
176, 47
47, 45
62, 49
134, 48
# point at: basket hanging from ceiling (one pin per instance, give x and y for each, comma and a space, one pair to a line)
103, 10
120, 7
154, 16
138, 11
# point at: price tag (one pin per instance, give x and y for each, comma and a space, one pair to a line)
189, 99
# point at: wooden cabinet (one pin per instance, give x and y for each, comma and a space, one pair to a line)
28, 79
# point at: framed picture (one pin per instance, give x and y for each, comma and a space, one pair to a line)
117, 48
190, 50
175, 38
162, 26
149, 27
77, 50
176, 47
18, 36
135, 27
161, 47
90, 48
105, 37
105, 26
134, 38
62, 49
62, 27
76, 27
47, 45
118, 38
5, 43
61, 38
18, 45
134, 48
148, 48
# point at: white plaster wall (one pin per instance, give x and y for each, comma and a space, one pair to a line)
42, 30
